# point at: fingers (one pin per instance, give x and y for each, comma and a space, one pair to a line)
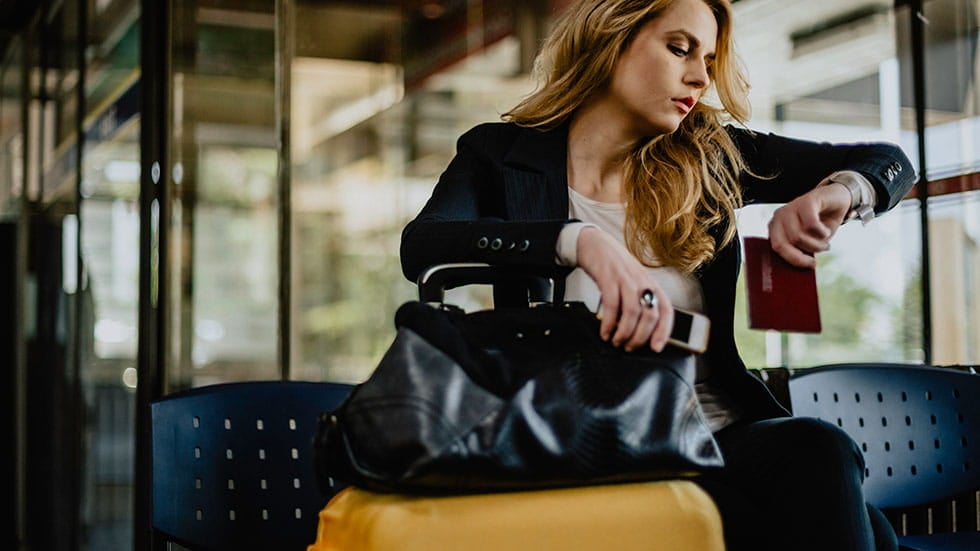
629, 320
638, 325
608, 312
795, 250
621, 279
666, 323
648, 321
637, 321
796, 232
805, 225
796, 257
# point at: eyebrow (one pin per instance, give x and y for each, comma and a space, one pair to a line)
692, 39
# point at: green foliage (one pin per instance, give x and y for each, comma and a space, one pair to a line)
845, 305
908, 317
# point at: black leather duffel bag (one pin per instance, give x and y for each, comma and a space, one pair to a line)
513, 398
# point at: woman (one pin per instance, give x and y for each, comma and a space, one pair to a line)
616, 169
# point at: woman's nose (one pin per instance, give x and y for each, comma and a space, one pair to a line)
698, 74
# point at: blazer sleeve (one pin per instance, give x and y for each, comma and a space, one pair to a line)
781, 169
466, 218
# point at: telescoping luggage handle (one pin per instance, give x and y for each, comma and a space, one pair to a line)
436, 280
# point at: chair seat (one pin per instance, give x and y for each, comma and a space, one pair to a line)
954, 541
670, 515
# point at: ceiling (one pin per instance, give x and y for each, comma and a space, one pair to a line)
14, 14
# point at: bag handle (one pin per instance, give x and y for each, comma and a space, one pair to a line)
437, 279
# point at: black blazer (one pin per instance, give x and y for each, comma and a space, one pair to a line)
504, 199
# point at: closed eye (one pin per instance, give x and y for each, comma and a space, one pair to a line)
678, 51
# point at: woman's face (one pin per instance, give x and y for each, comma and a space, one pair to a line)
664, 72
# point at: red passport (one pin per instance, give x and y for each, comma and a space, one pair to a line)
780, 296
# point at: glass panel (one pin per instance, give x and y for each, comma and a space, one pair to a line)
952, 95
112, 53
11, 131
835, 77
225, 217
59, 112
372, 129
109, 232
54, 472
954, 229
953, 150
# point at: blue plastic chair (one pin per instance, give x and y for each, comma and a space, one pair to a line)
919, 429
233, 464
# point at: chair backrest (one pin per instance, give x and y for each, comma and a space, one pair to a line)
233, 466
919, 427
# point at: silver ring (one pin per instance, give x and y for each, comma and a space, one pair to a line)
648, 299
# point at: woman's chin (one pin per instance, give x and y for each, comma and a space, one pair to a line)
662, 129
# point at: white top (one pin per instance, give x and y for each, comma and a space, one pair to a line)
682, 288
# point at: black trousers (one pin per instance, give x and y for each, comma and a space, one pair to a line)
794, 484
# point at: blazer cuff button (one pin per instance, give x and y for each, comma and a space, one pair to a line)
482, 243
496, 244
525, 245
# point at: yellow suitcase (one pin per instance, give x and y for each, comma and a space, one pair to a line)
673, 515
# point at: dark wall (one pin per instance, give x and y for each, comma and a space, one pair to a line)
52, 472
14, 16
8, 320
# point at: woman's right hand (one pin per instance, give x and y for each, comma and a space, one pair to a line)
622, 279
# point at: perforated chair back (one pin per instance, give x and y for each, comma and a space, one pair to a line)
919, 427
232, 464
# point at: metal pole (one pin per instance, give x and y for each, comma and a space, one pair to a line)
284, 59
154, 224
78, 392
918, 22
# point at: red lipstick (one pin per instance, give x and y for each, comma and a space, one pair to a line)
685, 104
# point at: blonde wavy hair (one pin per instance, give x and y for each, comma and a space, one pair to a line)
697, 166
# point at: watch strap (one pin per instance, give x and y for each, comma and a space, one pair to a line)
862, 205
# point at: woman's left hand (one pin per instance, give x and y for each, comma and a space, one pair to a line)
805, 225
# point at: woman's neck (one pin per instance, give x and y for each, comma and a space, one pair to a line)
597, 148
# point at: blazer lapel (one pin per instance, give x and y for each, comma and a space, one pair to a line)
535, 175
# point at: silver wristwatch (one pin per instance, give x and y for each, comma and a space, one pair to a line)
862, 207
